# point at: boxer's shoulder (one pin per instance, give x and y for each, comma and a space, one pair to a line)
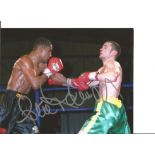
25, 58
26, 61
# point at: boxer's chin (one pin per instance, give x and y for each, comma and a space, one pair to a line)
100, 57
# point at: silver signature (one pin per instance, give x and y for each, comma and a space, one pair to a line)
46, 103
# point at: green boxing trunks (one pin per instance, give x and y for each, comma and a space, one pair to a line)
109, 118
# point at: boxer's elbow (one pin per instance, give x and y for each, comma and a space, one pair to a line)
35, 85
37, 82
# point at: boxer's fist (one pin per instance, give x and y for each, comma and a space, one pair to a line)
82, 82
88, 76
54, 65
84, 78
78, 84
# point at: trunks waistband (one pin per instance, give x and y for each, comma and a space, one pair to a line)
112, 100
21, 96
17, 94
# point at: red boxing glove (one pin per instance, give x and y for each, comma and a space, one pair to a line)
54, 65
84, 78
82, 82
78, 84
3, 131
88, 76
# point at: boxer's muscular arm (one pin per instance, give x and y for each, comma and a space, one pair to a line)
27, 68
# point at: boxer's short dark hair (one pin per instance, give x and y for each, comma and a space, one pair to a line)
116, 46
41, 42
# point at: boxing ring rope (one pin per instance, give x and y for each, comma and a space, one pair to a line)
37, 100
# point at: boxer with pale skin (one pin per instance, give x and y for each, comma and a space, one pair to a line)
109, 112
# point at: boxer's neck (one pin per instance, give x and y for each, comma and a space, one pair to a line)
104, 61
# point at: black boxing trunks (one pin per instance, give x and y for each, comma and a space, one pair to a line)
10, 114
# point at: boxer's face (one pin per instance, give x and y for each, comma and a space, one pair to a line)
105, 50
46, 53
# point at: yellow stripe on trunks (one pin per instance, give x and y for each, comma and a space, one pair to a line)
94, 118
91, 123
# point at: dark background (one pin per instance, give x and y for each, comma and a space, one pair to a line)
79, 51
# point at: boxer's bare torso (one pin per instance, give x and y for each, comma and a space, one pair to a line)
26, 73
18, 80
110, 87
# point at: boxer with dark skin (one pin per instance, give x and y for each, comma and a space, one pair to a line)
27, 69
29, 72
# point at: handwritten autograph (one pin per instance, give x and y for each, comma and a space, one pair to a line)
44, 107
46, 103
